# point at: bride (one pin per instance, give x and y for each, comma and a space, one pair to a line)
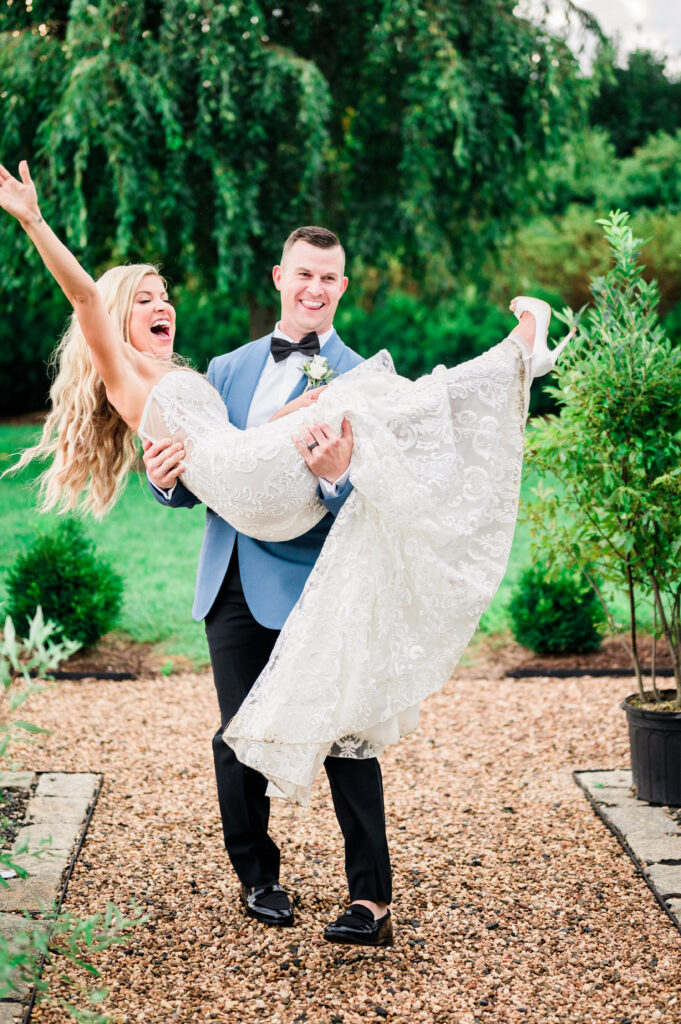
414, 556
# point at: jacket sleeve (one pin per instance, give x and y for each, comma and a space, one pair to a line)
179, 498
335, 504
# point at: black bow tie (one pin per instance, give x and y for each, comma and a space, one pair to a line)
282, 349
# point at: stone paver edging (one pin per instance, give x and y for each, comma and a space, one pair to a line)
56, 821
647, 832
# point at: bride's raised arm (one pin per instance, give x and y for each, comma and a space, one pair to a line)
19, 198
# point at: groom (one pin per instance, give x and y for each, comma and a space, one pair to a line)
245, 590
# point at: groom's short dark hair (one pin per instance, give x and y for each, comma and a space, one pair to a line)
313, 235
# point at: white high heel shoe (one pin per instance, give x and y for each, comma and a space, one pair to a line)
542, 359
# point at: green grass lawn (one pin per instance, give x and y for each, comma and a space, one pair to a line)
153, 548
156, 550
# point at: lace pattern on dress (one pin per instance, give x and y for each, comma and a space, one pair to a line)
412, 561
254, 479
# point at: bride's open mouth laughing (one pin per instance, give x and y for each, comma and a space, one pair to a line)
161, 329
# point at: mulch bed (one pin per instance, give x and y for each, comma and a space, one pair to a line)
499, 656
114, 657
493, 657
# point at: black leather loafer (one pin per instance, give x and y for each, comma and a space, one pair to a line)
269, 904
358, 927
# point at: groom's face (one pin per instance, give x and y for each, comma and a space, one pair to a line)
310, 281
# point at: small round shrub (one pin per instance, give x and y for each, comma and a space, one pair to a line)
561, 615
74, 586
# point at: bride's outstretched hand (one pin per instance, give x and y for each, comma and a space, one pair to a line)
19, 197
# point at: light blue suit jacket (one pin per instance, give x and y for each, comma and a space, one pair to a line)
272, 574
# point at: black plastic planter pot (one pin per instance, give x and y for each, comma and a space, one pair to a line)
655, 741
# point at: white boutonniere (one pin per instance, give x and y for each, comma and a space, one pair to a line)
318, 372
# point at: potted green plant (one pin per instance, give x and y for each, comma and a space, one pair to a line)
614, 451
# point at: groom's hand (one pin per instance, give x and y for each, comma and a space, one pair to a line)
330, 454
164, 462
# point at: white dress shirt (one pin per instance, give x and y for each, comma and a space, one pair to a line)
278, 380
275, 384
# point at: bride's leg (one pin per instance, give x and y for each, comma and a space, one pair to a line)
525, 330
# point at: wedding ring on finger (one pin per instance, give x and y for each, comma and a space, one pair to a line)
315, 444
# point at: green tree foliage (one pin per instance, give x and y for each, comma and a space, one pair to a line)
446, 109
636, 101
419, 337
651, 177
560, 255
199, 134
582, 173
561, 251
615, 446
67, 946
588, 173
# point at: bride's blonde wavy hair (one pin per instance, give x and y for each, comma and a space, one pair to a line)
93, 448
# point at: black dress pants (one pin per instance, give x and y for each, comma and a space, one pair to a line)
239, 649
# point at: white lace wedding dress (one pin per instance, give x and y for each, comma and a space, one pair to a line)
411, 562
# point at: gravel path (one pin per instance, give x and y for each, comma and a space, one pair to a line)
512, 901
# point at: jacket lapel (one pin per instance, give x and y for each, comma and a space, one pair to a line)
244, 382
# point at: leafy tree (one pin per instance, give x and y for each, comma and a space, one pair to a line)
560, 255
652, 176
419, 337
636, 101
582, 172
439, 113
615, 447
199, 134
165, 131
587, 172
